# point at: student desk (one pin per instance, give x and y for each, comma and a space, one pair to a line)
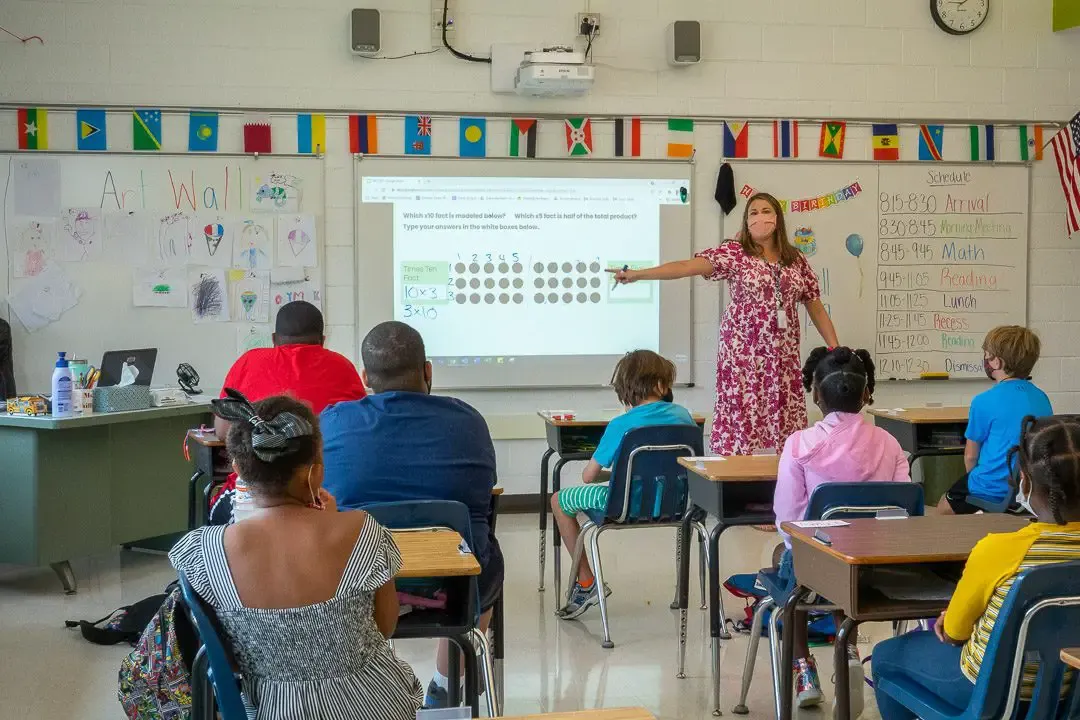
924, 432
1071, 657
736, 491
843, 572
571, 440
81, 485
434, 553
206, 451
612, 714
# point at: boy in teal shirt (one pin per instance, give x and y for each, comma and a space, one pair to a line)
1009, 355
642, 382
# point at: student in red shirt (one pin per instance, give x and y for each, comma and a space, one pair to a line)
299, 366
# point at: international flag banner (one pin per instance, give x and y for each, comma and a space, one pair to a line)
886, 142
258, 135
146, 129
1031, 143
931, 141
982, 142
363, 134
578, 137
680, 134
202, 132
90, 129
628, 137
1066, 145
523, 137
311, 134
833, 135
736, 139
417, 134
33, 128
785, 139
472, 137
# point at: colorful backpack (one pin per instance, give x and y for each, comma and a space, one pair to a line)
155, 679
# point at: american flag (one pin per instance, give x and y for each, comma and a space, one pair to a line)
423, 125
1067, 154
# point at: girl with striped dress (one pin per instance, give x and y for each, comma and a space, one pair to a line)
305, 597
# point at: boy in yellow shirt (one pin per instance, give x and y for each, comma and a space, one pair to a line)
947, 661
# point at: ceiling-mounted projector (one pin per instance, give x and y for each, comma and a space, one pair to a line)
554, 71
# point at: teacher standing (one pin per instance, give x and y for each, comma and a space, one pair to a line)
759, 393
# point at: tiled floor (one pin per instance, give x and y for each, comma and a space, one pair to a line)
47, 671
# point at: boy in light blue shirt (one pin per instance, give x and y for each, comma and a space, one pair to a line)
1009, 354
642, 382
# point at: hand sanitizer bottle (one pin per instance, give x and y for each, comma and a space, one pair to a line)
61, 388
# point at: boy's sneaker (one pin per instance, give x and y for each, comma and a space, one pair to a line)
581, 599
807, 684
856, 679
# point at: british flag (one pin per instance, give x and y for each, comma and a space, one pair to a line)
1067, 154
423, 125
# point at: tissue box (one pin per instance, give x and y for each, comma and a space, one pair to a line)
121, 397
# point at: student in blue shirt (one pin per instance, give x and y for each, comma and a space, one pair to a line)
642, 382
403, 443
1009, 354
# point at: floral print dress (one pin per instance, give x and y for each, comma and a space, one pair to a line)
759, 395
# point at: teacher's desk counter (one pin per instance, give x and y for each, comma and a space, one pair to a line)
75, 486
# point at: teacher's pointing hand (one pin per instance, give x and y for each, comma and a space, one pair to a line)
625, 276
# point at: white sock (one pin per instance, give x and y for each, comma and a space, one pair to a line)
441, 680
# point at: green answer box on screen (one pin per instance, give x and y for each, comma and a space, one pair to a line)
425, 281
639, 292
1066, 14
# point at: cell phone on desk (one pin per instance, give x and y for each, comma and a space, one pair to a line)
823, 537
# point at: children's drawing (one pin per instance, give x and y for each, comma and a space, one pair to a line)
249, 295
44, 298
127, 238
159, 287
251, 337
253, 247
282, 294
34, 245
173, 245
208, 297
80, 235
212, 241
276, 192
296, 246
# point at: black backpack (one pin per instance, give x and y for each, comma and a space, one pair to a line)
125, 624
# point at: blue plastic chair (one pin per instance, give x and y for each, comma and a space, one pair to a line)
648, 488
460, 627
1040, 616
830, 501
212, 665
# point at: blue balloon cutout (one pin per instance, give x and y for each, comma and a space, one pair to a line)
854, 244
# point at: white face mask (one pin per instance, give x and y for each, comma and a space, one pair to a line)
1024, 500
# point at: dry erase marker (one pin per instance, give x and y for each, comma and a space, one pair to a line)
615, 282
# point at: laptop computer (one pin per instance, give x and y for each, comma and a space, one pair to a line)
140, 362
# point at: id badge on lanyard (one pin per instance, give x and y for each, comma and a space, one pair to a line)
781, 316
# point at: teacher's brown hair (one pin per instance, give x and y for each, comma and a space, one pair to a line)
788, 253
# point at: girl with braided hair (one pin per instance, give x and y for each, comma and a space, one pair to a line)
947, 661
842, 447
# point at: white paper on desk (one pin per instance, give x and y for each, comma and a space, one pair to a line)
911, 583
820, 523
704, 459
44, 298
37, 186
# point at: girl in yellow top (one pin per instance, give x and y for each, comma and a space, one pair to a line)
1049, 486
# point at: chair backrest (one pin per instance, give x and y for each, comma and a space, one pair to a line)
414, 514
1040, 617
220, 671
648, 486
861, 499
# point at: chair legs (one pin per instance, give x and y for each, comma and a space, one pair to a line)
598, 571
751, 654
487, 667
703, 557
575, 564
774, 655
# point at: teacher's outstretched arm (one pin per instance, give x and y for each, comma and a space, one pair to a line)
822, 322
668, 271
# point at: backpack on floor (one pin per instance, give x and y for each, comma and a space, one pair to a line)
155, 678
820, 626
125, 624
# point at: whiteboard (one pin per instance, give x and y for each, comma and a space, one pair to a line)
110, 189
916, 261
507, 223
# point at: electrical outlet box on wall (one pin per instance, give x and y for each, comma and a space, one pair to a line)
437, 21
505, 60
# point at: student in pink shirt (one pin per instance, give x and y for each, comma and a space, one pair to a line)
842, 447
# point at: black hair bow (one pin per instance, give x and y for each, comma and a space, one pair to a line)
270, 439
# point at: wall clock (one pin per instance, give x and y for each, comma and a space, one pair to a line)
959, 17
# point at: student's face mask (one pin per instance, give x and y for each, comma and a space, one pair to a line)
669, 396
1024, 499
